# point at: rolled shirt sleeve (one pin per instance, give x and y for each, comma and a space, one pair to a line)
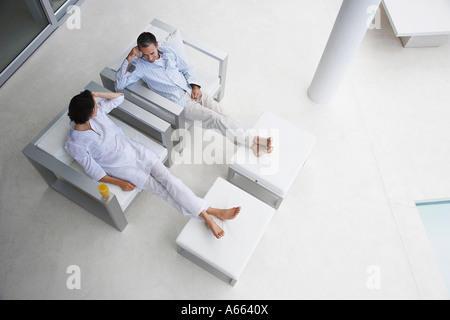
124, 78
108, 105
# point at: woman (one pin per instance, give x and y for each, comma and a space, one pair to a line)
109, 156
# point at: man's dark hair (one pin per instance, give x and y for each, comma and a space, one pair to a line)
81, 107
146, 39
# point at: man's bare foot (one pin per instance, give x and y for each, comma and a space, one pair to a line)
259, 150
212, 225
266, 142
224, 214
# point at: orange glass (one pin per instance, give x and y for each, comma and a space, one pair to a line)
104, 190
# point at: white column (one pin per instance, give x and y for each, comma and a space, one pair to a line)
348, 32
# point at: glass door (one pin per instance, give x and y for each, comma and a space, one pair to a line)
21, 21
24, 26
56, 4
61, 7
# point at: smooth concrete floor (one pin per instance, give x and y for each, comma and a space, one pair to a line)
348, 229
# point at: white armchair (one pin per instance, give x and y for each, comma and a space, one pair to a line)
213, 83
47, 154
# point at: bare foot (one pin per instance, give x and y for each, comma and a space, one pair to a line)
266, 142
259, 150
224, 214
212, 225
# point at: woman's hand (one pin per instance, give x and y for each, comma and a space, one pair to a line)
124, 185
127, 186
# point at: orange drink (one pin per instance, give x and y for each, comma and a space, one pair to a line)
104, 190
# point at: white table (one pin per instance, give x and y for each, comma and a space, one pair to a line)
226, 258
419, 23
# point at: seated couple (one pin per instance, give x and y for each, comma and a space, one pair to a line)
166, 73
108, 155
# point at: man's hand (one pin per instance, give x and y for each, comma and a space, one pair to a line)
196, 93
133, 53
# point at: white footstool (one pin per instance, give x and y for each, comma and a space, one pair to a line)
270, 177
226, 258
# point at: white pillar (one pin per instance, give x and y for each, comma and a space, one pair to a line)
348, 32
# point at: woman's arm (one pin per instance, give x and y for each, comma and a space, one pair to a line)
124, 185
106, 95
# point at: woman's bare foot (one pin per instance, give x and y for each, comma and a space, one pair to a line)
224, 214
212, 225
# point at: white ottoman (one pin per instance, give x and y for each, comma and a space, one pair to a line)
226, 258
270, 177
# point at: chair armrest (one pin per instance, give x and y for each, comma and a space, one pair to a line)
147, 123
142, 120
214, 53
192, 42
62, 171
137, 117
204, 48
76, 186
139, 94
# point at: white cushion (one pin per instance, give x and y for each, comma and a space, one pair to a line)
277, 171
231, 253
175, 42
160, 34
55, 138
210, 83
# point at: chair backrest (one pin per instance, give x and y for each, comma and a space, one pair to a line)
54, 139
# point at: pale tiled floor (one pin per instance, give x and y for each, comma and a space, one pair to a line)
382, 144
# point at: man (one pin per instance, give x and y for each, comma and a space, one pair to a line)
108, 155
167, 74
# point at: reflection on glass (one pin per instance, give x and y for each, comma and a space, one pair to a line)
20, 22
56, 4
436, 220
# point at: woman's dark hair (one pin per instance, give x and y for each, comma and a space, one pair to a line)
146, 39
81, 107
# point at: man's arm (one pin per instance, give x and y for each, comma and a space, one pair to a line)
189, 75
124, 185
125, 78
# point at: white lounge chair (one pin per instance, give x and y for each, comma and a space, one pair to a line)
213, 82
47, 154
